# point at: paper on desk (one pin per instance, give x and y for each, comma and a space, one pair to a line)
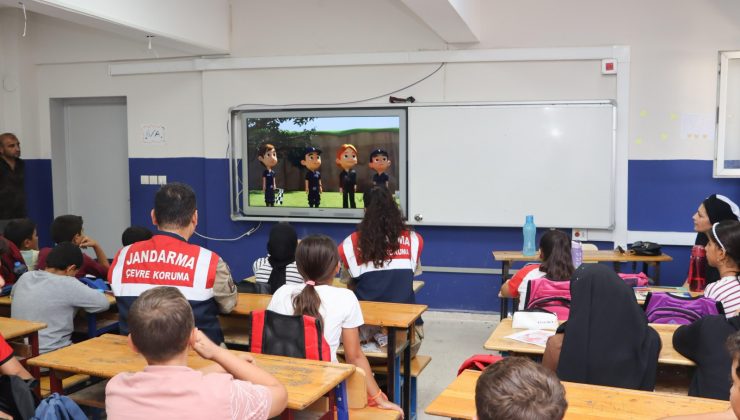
536, 337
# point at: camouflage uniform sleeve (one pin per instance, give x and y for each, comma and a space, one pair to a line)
224, 289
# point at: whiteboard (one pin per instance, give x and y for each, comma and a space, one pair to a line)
493, 164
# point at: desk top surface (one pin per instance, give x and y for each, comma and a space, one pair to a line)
588, 256
497, 341
6, 300
398, 315
109, 355
584, 402
417, 284
14, 328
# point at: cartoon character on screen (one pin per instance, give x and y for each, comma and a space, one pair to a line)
312, 162
267, 155
379, 163
347, 160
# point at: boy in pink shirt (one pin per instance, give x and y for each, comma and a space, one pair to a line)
162, 329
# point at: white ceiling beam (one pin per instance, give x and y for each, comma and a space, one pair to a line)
198, 27
455, 21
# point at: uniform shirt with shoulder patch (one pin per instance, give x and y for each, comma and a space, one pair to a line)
391, 282
168, 260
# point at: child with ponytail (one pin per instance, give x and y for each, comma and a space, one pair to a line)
338, 310
723, 253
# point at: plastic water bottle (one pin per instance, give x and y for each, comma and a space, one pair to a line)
576, 251
529, 231
19, 268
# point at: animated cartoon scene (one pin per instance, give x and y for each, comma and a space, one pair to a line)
325, 162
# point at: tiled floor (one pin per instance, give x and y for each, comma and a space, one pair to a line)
450, 338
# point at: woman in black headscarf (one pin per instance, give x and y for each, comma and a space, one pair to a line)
279, 266
715, 208
606, 340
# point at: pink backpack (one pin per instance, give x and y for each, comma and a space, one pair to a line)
548, 295
634, 279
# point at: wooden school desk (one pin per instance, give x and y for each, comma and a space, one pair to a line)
508, 257
94, 324
109, 355
417, 284
584, 402
668, 355
393, 316
18, 328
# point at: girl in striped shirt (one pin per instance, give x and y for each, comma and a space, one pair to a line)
723, 252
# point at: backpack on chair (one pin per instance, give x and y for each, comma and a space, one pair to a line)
478, 362
300, 336
551, 296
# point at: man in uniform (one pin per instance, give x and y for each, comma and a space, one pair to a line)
167, 259
12, 170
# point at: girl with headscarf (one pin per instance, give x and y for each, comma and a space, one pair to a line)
279, 266
715, 208
606, 340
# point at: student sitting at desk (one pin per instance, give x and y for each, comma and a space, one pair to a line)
53, 295
516, 388
134, 234
383, 256
278, 267
715, 208
557, 265
162, 329
337, 308
68, 228
10, 366
703, 342
22, 232
723, 252
607, 339
733, 413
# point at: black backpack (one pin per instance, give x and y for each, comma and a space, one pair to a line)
646, 249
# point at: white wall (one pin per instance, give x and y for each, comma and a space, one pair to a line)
674, 46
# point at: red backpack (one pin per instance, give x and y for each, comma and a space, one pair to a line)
8, 260
478, 362
548, 295
298, 336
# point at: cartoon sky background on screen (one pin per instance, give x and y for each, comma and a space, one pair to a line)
342, 123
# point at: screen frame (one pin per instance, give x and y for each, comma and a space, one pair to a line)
238, 163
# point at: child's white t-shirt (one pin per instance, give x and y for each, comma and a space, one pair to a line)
727, 291
339, 309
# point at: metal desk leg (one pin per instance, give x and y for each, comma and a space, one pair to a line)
391, 364
33, 339
340, 395
55, 382
505, 266
407, 374
657, 273
92, 325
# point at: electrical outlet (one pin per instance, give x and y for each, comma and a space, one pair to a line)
580, 234
152, 179
145, 180
161, 179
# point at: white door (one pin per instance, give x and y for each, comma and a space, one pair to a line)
90, 166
